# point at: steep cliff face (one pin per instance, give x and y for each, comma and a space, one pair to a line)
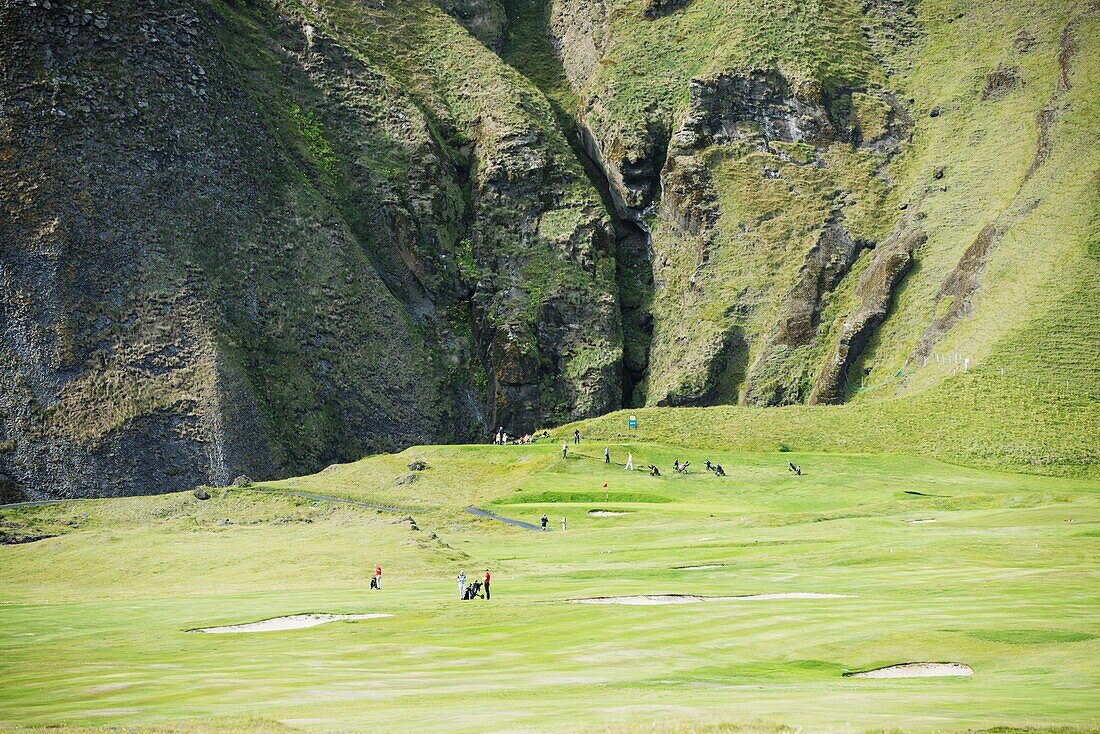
183, 300
232, 244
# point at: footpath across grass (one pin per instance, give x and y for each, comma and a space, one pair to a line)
935, 563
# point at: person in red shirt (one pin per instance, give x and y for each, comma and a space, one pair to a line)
377, 576
485, 586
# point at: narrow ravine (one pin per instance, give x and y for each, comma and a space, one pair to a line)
528, 50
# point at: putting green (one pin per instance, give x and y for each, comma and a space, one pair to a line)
94, 621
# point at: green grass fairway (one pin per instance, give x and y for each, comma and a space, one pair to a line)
94, 620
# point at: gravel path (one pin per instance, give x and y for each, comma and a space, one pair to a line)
518, 523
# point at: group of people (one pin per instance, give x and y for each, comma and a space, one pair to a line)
478, 589
653, 470
501, 437
544, 520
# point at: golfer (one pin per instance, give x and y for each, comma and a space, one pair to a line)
485, 584
461, 584
377, 576
629, 461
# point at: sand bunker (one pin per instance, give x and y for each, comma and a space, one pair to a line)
646, 600
293, 622
643, 600
916, 670
606, 513
921, 520
787, 595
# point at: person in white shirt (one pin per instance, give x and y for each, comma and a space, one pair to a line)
630, 462
461, 584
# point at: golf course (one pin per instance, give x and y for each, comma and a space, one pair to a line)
685, 602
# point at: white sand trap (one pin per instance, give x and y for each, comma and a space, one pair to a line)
916, 670
642, 600
785, 595
293, 622
702, 567
606, 513
648, 600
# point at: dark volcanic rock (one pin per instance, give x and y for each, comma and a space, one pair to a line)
656, 8
205, 273
484, 19
734, 105
1000, 81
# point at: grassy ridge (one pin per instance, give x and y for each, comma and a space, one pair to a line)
972, 419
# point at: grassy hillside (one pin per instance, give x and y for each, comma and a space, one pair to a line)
998, 100
998, 577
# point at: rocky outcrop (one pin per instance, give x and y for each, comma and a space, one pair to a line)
632, 167
524, 224
1000, 81
763, 114
733, 105
654, 9
957, 288
890, 263
484, 19
578, 34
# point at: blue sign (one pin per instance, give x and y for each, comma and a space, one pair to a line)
632, 422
